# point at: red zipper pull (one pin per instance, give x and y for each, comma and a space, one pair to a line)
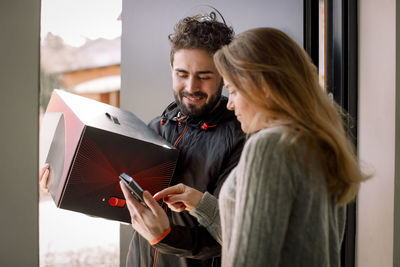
205, 126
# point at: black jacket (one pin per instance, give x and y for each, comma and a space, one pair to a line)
209, 148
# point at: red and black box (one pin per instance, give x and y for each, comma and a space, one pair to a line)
88, 144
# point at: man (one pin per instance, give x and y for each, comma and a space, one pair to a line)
207, 135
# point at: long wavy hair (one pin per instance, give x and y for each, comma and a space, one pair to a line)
276, 75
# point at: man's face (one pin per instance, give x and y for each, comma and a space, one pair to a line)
197, 84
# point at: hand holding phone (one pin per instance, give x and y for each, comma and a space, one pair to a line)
149, 220
133, 186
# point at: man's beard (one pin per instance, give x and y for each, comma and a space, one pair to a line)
193, 110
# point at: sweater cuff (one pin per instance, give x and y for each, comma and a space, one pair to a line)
207, 210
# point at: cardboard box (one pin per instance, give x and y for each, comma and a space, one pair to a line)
88, 144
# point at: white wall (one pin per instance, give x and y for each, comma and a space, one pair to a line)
145, 74
377, 133
19, 103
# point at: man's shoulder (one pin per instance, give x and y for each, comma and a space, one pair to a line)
227, 124
155, 122
222, 115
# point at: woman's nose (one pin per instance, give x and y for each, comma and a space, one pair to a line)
230, 104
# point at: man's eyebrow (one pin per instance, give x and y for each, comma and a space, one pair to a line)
197, 72
205, 72
181, 70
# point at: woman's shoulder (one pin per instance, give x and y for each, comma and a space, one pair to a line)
278, 142
272, 136
275, 131
267, 141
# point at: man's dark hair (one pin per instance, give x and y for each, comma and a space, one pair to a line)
200, 32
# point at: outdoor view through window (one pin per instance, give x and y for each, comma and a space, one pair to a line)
80, 53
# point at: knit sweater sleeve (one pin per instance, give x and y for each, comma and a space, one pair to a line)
207, 213
265, 190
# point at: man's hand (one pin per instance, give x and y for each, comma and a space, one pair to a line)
151, 221
44, 177
180, 197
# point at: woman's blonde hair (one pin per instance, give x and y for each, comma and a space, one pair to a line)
277, 76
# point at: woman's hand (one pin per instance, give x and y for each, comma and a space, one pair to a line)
44, 177
151, 221
180, 197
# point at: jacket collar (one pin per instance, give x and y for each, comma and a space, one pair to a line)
219, 114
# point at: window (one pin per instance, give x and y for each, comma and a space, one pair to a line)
80, 53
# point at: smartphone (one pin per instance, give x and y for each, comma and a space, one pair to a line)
133, 186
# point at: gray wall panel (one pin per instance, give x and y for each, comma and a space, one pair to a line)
19, 103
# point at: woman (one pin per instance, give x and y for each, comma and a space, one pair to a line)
284, 204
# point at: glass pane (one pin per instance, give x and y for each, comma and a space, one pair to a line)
80, 53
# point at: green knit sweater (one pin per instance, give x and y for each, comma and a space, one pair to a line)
271, 211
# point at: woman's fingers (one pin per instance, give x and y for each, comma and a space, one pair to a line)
177, 207
176, 189
180, 197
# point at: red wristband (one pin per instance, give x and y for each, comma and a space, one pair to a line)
161, 237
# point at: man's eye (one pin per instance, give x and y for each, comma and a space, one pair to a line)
181, 75
204, 77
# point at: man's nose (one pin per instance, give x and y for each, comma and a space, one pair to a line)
193, 85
